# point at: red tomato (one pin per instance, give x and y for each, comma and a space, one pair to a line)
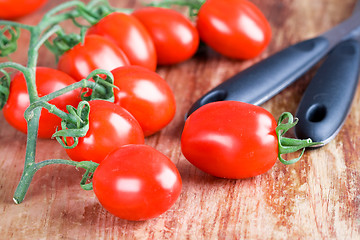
231, 139
146, 96
10, 9
175, 37
130, 35
47, 81
136, 182
234, 28
110, 126
96, 53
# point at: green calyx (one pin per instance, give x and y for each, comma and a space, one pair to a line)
103, 88
76, 123
63, 43
289, 145
8, 40
74, 129
4, 87
90, 167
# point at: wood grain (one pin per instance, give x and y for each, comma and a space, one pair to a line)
317, 198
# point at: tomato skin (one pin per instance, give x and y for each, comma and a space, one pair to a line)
130, 35
230, 139
47, 81
110, 126
96, 53
146, 96
136, 182
10, 9
176, 39
234, 28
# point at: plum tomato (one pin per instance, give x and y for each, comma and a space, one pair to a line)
231, 139
47, 81
146, 96
130, 35
234, 28
10, 9
110, 126
176, 39
95, 53
137, 182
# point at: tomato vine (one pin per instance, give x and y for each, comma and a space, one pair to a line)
75, 123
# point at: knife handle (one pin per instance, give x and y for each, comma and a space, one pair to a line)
328, 97
268, 77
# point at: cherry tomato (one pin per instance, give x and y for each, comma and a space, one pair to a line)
230, 139
10, 9
146, 96
110, 126
136, 182
96, 53
234, 28
47, 81
130, 35
175, 37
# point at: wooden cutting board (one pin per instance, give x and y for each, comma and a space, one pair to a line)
316, 198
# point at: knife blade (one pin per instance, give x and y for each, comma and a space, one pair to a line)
265, 79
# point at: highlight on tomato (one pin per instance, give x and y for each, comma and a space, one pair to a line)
175, 37
146, 95
110, 126
130, 35
47, 81
236, 140
137, 182
234, 28
96, 52
11, 9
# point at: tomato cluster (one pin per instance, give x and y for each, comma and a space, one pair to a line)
134, 181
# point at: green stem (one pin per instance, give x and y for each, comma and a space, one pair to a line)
194, 5
46, 36
88, 16
24, 184
81, 84
32, 124
50, 18
29, 113
32, 168
29, 166
16, 24
55, 161
14, 65
290, 145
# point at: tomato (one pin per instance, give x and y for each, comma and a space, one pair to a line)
130, 35
10, 9
146, 96
110, 126
47, 81
230, 139
175, 37
234, 28
136, 182
96, 53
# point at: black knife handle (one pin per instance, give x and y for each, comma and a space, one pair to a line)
327, 100
265, 79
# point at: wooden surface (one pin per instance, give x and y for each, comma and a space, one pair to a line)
317, 198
